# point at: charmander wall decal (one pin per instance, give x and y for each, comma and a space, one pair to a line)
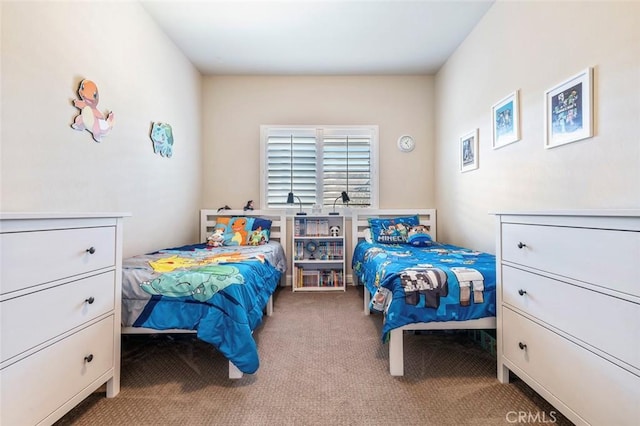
90, 118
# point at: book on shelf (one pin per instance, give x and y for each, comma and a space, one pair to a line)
298, 251
310, 278
311, 227
318, 278
330, 250
299, 227
323, 227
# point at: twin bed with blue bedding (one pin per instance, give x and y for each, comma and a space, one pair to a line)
219, 292
416, 282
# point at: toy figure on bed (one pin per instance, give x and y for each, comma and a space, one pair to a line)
419, 236
216, 239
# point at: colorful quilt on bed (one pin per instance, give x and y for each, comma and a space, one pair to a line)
219, 292
423, 284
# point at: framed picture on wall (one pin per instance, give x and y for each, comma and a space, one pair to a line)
569, 110
469, 151
505, 116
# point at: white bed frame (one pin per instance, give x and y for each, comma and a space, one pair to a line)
396, 350
208, 219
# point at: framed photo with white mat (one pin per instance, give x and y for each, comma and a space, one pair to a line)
505, 115
469, 151
568, 110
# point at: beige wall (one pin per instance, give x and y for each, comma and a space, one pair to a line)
236, 106
47, 49
532, 46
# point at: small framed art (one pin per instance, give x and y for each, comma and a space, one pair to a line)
505, 116
469, 151
569, 110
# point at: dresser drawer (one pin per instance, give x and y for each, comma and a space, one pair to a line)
44, 256
601, 257
37, 317
605, 322
603, 393
33, 388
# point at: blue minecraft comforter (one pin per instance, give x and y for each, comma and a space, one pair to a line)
422, 284
219, 292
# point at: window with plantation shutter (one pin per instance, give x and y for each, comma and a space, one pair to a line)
317, 164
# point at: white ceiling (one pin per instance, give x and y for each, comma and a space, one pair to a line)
312, 37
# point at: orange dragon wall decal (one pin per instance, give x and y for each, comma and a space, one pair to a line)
90, 118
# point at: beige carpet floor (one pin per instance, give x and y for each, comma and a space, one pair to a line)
321, 363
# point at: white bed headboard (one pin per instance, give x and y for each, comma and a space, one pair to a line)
208, 219
360, 220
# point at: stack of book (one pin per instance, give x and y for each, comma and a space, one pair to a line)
315, 278
311, 227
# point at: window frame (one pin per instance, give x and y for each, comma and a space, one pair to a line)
319, 130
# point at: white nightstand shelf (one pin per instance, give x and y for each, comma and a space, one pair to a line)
318, 247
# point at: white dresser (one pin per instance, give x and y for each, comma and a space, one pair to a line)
60, 302
569, 310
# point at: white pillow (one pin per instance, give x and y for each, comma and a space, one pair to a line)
367, 235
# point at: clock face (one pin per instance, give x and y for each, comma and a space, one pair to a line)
406, 143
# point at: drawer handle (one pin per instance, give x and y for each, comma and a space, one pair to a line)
91, 250
522, 292
88, 358
522, 346
521, 245
90, 300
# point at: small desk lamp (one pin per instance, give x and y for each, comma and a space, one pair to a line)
291, 201
345, 199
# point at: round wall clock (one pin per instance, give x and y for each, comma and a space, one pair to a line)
406, 143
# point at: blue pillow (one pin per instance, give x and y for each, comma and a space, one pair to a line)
392, 231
